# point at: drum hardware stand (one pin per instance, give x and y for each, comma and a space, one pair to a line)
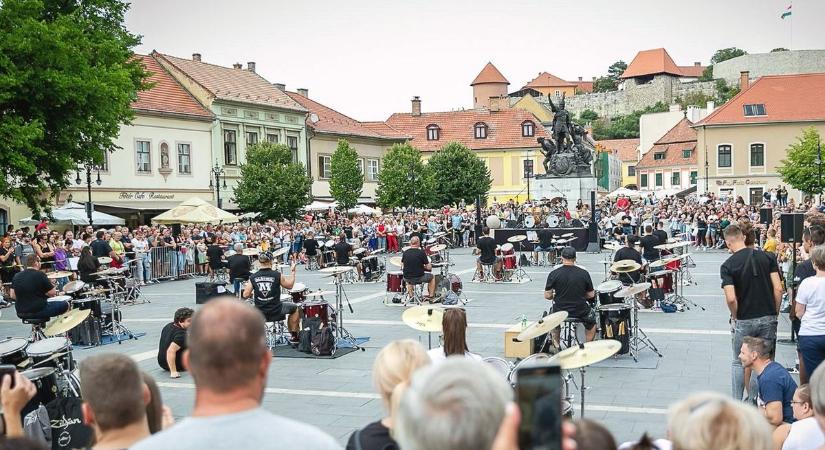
678, 296
118, 328
342, 334
635, 344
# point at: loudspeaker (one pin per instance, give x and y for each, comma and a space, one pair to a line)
765, 216
207, 291
176, 229
791, 225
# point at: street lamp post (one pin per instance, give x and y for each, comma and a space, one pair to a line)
217, 171
88, 167
819, 169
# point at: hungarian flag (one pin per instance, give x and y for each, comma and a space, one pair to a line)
787, 12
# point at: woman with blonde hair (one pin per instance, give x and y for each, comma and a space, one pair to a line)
712, 421
393, 367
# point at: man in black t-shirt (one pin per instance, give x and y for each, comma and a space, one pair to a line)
415, 265
545, 244
660, 232
173, 342
101, 248
265, 288
629, 252
649, 243
214, 253
753, 292
570, 286
486, 249
239, 267
311, 249
31, 290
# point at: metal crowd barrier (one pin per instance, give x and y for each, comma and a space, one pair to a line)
162, 263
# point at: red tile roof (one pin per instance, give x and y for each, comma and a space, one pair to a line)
584, 86
787, 98
624, 148
489, 74
545, 79
385, 129
680, 137
232, 84
692, 71
332, 121
166, 94
651, 62
503, 132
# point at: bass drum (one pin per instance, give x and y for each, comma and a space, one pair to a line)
553, 221
534, 359
502, 366
529, 222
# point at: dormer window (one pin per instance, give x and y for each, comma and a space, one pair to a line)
659, 156
481, 130
686, 153
432, 132
757, 109
528, 128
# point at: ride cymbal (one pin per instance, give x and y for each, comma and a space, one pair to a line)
423, 318
542, 326
587, 354
65, 322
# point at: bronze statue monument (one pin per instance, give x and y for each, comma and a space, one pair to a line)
568, 152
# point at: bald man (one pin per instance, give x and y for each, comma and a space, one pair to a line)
416, 267
228, 358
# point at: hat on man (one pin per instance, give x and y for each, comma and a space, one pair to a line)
568, 253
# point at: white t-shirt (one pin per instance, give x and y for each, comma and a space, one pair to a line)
437, 355
812, 295
805, 434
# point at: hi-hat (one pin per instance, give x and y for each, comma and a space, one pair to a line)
613, 246
542, 326
250, 252
567, 235
625, 266
591, 353
104, 260
318, 294
632, 290
65, 322
103, 272
516, 238
438, 248
395, 261
423, 318
59, 274
280, 251
335, 270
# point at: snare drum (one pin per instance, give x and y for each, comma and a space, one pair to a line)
13, 351
90, 302
606, 291
395, 282
43, 349
532, 360
316, 309
500, 365
615, 320
662, 279
298, 292
45, 380
74, 288
61, 298
508, 255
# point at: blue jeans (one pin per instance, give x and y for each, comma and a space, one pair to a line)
763, 327
813, 352
382, 242
181, 263
172, 255
53, 308
143, 270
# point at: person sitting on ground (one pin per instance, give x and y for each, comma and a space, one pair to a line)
711, 421
570, 286
114, 400
394, 365
776, 387
454, 325
804, 433
173, 342
229, 361
416, 267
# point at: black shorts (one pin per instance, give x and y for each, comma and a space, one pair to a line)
587, 315
273, 315
420, 280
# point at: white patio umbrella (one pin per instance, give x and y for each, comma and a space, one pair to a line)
75, 214
318, 205
364, 209
633, 194
195, 210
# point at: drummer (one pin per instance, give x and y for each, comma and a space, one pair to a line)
311, 246
570, 286
343, 253
416, 266
629, 252
265, 285
545, 244
239, 267
31, 290
649, 242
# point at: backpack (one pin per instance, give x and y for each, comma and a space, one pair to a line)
305, 336
323, 343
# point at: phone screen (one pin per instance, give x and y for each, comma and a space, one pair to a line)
539, 398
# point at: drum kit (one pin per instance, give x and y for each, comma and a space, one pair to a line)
550, 256
342, 335
446, 283
312, 303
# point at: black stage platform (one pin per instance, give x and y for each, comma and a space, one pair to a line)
579, 244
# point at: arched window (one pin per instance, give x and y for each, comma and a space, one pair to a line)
481, 130
432, 132
528, 128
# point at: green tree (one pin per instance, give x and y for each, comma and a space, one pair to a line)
799, 169
707, 74
404, 180
346, 180
724, 91
623, 127
726, 54
459, 175
271, 183
604, 84
67, 81
697, 98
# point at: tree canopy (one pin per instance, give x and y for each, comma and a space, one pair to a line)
404, 180
68, 78
799, 168
346, 180
271, 183
610, 82
459, 175
726, 54
623, 127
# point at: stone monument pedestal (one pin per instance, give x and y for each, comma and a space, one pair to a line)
570, 187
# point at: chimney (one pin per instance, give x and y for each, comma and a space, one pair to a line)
196, 57
251, 66
416, 106
580, 78
279, 86
237, 66
744, 80
711, 106
303, 92
594, 79
697, 63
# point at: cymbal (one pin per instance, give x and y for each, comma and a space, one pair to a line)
438, 248
662, 247
104, 260
423, 318
280, 251
542, 326
358, 251
377, 251
592, 352
73, 286
658, 263
517, 238
66, 322
95, 292
250, 252
335, 270
612, 246
567, 235
632, 290
59, 274
395, 261
318, 294
625, 265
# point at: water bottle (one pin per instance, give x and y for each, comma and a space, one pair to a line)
523, 321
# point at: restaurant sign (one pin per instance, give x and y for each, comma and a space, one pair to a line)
145, 195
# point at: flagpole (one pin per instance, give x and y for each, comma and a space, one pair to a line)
791, 46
